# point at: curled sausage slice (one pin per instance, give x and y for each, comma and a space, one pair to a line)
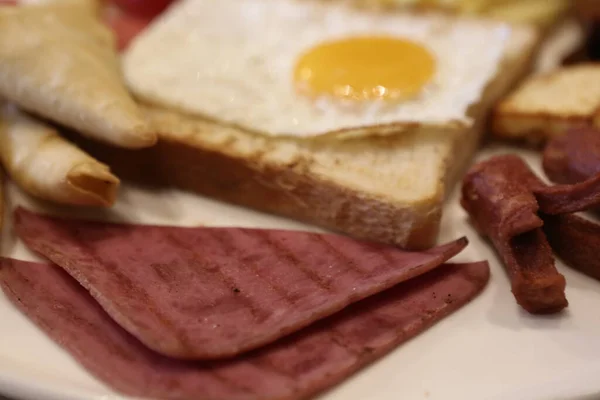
574, 157
498, 196
576, 241
565, 199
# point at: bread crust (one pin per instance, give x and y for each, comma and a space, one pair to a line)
286, 190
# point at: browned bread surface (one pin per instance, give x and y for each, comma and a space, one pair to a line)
550, 104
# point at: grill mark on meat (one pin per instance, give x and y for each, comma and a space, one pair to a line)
285, 254
129, 286
366, 250
228, 282
321, 242
288, 280
384, 254
228, 243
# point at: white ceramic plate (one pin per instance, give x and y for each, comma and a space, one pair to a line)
489, 350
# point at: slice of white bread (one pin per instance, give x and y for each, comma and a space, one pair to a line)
388, 189
549, 104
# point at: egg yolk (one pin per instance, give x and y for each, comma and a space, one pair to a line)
365, 68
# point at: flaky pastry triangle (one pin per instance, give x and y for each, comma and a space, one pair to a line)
59, 61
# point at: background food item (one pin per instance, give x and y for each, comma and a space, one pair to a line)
143, 8
542, 13
47, 166
565, 199
298, 367
497, 194
574, 157
239, 65
588, 9
244, 289
65, 68
548, 105
588, 12
125, 26
576, 241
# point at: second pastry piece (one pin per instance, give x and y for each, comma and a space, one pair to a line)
59, 61
47, 166
498, 196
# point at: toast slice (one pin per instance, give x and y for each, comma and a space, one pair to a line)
549, 104
389, 189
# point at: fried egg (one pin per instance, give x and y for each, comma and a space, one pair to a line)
305, 68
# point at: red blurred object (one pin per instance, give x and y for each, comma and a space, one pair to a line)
125, 26
8, 2
143, 8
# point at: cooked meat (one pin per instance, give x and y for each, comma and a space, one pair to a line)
574, 157
575, 240
498, 195
202, 293
294, 368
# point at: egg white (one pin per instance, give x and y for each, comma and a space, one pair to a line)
233, 61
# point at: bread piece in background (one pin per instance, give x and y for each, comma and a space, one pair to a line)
93, 5
543, 14
58, 60
49, 167
548, 105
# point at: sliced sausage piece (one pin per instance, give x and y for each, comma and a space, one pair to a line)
576, 241
574, 157
566, 199
498, 195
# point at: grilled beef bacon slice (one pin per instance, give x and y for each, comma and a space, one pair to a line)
498, 195
296, 367
208, 293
